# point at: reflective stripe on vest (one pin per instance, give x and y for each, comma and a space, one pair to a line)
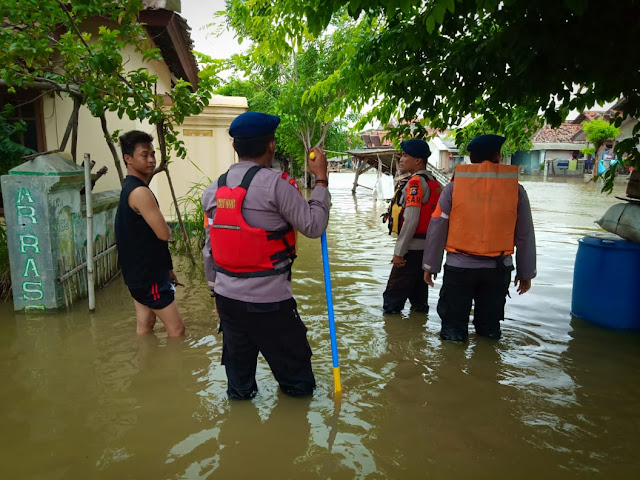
484, 209
240, 250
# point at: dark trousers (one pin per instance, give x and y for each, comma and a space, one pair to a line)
406, 283
276, 331
486, 287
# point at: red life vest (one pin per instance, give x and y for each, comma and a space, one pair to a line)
427, 209
240, 250
395, 214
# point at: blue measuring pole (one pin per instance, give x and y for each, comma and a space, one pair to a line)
332, 325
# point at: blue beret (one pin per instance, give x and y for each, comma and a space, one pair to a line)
416, 148
253, 124
486, 144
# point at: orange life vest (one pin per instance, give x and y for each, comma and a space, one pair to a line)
413, 197
484, 209
240, 250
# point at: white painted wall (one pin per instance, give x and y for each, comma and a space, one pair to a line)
209, 147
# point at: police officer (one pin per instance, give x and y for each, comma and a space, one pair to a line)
253, 212
481, 216
409, 215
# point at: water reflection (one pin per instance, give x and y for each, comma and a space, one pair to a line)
83, 397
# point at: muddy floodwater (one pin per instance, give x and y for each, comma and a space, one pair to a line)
82, 397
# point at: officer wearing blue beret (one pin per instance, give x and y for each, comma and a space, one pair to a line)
482, 217
253, 124
408, 215
253, 213
486, 145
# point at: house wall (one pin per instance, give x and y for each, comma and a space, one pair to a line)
436, 154
524, 160
559, 154
529, 162
445, 161
626, 129
206, 135
209, 151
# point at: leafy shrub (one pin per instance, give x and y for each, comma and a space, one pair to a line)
193, 219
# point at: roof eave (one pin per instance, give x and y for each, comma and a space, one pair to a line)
557, 146
170, 22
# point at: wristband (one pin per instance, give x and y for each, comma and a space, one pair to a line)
326, 182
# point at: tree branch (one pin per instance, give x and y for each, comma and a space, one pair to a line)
73, 25
325, 130
87, 46
40, 83
164, 165
34, 155
67, 132
74, 135
112, 147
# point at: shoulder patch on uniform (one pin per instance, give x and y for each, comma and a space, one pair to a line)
290, 180
414, 193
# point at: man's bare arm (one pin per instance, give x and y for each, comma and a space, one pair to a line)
141, 200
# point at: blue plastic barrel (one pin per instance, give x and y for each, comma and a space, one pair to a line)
605, 282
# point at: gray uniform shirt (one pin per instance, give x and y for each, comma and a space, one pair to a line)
405, 240
525, 241
271, 203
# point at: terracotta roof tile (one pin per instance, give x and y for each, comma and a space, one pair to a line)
563, 134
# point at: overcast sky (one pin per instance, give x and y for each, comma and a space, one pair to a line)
200, 13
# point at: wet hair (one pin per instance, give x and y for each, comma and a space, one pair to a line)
252, 147
129, 140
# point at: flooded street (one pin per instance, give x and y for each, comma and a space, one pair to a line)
83, 397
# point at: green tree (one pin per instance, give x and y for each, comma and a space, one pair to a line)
442, 60
598, 132
517, 129
46, 48
11, 151
281, 88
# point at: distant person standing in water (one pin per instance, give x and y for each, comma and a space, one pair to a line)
409, 215
482, 217
142, 236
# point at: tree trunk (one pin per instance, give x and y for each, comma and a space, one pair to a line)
112, 147
74, 136
187, 242
596, 160
633, 187
67, 132
163, 153
307, 148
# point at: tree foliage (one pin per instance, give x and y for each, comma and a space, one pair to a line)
46, 46
281, 88
11, 151
599, 131
442, 60
518, 129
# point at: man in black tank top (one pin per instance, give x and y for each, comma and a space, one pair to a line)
142, 235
